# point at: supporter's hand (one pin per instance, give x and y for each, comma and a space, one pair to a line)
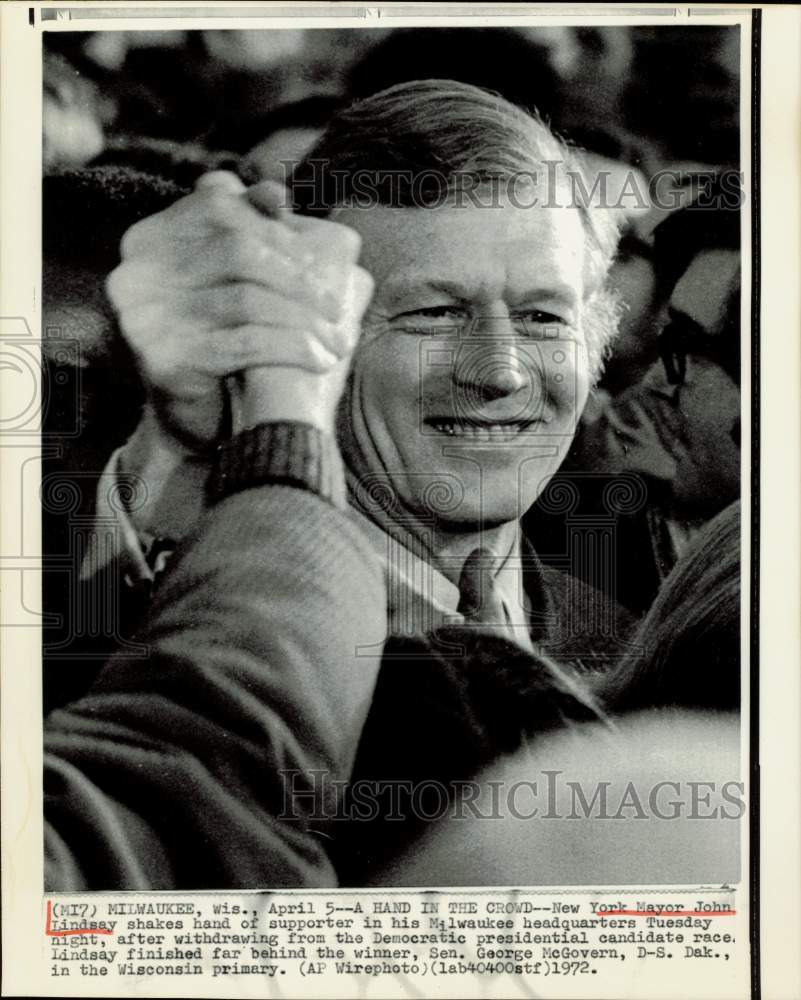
224, 282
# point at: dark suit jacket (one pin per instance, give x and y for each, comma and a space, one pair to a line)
448, 704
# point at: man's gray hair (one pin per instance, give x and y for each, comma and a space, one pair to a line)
417, 144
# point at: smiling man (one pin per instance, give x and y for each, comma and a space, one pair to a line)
486, 328
467, 385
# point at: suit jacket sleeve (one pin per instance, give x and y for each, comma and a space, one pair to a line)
216, 762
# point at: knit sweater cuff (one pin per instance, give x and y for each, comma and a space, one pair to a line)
284, 453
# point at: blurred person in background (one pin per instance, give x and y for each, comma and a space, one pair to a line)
687, 650
688, 109
179, 162
593, 803
678, 427
92, 402
633, 277
502, 60
273, 144
72, 115
85, 213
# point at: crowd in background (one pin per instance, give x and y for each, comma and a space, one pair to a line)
647, 96
173, 104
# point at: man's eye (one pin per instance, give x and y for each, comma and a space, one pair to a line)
434, 319
537, 323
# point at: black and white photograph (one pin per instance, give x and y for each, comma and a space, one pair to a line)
407, 374
399, 485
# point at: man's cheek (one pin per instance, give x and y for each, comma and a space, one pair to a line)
560, 363
568, 389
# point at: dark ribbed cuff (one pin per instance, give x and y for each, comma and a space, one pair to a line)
282, 453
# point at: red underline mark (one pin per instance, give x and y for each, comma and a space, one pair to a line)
49, 932
667, 913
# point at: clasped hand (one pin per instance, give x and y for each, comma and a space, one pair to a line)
226, 282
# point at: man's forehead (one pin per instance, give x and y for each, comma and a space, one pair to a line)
464, 240
702, 293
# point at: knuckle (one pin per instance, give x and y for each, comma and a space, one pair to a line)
134, 237
241, 253
216, 207
241, 302
317, 360
220, 179
143, 326
118, 286
268, 189
267, 196
276, 236
346, 240
244, 345
349, 336
363, 287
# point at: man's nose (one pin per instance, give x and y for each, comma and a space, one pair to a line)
494, 365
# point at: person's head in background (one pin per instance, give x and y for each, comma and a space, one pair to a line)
91, 399
85, 213
72, 115
686, 651
272, 144
632, 276
502, 60
693, 389
687, 108
182, 163
489, 318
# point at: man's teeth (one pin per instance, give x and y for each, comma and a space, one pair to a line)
482, 432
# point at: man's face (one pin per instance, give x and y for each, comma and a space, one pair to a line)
698, 410
472, 370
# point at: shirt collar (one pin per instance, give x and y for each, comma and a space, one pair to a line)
421, 598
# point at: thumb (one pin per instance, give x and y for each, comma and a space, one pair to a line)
221, 180
271, 198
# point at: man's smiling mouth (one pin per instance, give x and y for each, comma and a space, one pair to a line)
479, 430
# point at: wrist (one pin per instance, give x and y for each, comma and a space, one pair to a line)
280, 453
288, 395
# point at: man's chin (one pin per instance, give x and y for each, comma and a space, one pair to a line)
474, 518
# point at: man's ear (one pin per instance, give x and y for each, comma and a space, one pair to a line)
735, 431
